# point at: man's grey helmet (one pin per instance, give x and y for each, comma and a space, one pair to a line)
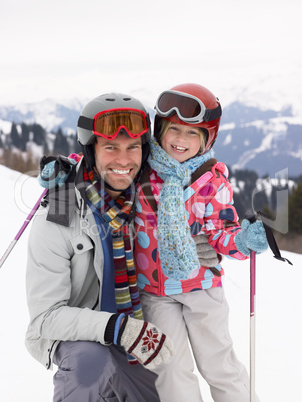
103, 103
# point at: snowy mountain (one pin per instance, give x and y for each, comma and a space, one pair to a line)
250, 137
48, 114
266, 141
278, 317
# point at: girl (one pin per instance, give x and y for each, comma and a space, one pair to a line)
184, 195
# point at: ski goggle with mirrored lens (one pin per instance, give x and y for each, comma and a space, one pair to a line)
107, 124
189, 108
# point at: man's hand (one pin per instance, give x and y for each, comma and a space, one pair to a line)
145, 342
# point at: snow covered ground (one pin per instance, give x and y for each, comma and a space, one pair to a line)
278, 312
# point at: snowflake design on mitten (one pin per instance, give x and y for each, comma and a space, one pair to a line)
150, 340
145, 342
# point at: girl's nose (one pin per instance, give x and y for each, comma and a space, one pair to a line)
181, 135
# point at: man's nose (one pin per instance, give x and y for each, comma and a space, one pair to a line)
123, 159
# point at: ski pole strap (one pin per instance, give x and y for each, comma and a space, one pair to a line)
271, 240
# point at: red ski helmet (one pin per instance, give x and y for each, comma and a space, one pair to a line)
189, 104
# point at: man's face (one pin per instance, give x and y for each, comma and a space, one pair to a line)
118, 161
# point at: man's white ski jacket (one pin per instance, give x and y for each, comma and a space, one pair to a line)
64, 274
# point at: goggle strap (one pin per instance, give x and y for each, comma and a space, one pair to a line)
148, 120
86, 122
212, 114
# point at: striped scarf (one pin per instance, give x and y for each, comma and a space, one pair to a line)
116, 214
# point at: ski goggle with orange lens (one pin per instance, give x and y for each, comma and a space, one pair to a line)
189, 108
109, 123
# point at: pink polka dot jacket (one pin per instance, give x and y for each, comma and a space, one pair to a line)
210, 211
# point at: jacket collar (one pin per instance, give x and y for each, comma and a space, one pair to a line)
146, 186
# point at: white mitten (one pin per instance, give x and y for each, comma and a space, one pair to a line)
145, 342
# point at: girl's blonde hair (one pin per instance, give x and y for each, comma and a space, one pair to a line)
165, 124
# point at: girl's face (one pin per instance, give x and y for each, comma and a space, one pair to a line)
181, 142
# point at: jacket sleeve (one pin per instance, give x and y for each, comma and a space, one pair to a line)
220, 221
53, 315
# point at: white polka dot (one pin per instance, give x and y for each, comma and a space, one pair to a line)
223, 196
198, 209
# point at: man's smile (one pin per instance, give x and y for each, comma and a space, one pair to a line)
121, 171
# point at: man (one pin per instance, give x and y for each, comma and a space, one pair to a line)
85, 313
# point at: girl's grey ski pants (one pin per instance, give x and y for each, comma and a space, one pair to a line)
92, 372
197, 322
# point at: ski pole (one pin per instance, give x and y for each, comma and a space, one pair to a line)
252, 218
23, 227
252, 323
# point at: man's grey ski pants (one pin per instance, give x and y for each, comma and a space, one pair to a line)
92, 372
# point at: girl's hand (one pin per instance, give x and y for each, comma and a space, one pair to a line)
252, 237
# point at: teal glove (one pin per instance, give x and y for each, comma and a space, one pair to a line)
55, 170
252, 237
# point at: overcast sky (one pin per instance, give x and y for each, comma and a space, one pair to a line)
81, 48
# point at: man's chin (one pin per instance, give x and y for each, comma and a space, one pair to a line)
120, 184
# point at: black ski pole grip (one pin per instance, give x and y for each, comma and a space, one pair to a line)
250, 216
